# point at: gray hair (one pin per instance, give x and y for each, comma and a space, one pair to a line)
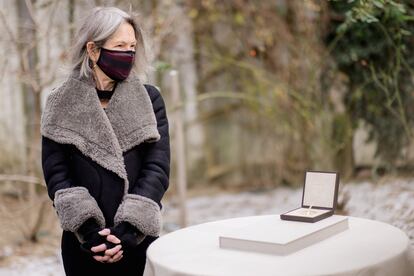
98, 26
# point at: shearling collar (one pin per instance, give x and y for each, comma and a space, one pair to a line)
74, 115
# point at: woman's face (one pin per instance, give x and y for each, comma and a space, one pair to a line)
122, 40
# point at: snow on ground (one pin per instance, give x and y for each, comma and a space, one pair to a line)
34, 266
389, 201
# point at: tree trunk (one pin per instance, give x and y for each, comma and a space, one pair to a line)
29, 60
183, 59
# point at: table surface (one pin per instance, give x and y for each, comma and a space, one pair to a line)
367, 248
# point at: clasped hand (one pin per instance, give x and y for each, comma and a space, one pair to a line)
111, 254
108, 244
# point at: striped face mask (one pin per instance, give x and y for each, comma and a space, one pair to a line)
116, 64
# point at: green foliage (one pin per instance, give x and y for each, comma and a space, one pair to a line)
371, 11
374, 48
162, 66
267, 54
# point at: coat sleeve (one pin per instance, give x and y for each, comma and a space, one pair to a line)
142, 205
74, 205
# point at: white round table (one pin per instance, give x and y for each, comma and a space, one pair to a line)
367, 248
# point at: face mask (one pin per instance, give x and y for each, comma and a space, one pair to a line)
116, 64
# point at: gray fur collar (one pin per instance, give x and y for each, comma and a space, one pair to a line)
73, 115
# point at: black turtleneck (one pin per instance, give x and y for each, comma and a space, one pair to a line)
105, 94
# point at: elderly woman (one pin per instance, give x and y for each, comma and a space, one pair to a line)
105, 150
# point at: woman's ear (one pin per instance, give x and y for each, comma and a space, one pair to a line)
93, 52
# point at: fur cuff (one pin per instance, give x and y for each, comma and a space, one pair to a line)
141, 212
74, 206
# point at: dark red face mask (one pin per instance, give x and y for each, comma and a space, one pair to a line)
116, 64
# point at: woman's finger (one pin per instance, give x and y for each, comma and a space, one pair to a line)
113, 239
116, 257
114, 261
111, 252
104, 232
102, 258
99, 248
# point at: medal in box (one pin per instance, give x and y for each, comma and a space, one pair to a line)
319, 198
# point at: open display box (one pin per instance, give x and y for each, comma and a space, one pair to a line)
319, 197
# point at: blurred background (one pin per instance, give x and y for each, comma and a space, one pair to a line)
257, 92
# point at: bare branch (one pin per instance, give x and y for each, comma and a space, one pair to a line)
31, 13
21, 178
8, 28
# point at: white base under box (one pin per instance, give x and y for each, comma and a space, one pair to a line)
273, 237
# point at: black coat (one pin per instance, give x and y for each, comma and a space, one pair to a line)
147, 167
